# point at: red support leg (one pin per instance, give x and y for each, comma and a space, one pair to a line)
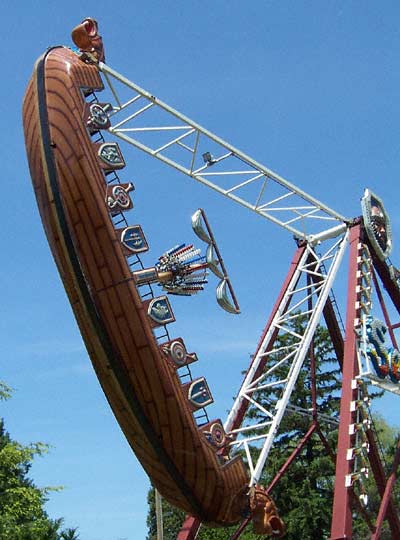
240, 529
189, 529
342, 515
292, 457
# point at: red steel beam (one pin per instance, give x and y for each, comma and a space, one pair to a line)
292, 457
341, 527
342, 514
334, 330
189, 529
240, 529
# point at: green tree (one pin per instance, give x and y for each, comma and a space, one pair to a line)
70, 534
22, 514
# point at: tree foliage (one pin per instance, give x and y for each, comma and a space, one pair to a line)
5, 391
70, 533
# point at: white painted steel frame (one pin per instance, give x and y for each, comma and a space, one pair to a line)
264, 432
229, 172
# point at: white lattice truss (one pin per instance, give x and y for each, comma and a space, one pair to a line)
295, 303
154, 127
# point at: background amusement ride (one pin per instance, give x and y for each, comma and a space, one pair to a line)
209, 468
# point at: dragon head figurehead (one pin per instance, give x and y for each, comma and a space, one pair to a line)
264, 514
87, 39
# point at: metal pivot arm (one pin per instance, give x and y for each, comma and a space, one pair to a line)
154, 127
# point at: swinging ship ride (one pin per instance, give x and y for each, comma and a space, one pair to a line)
82, 205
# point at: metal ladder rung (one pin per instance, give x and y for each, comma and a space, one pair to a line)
134, 262
115, 178
118, 219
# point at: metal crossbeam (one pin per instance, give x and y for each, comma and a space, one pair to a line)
270, 356
154, 127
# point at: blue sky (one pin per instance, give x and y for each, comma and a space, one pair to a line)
308, 88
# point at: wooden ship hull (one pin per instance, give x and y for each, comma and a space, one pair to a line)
139, 381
